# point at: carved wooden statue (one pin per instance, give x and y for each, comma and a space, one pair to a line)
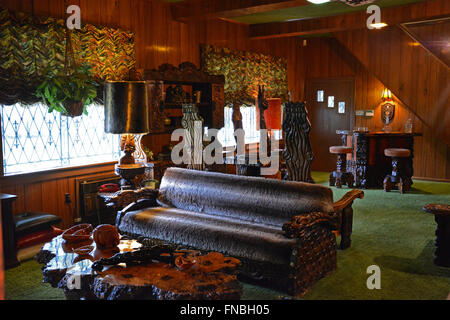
262, 106
298, 152
193, 138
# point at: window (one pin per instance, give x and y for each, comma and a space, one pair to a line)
320, 96
225, 134
249, 116
34, 140
249, 124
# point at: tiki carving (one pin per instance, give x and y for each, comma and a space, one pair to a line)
298, 152
156, 106
237, 117
218, 98
193, 125
361, 164
262, 106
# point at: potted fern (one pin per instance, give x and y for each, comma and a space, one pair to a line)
69, 94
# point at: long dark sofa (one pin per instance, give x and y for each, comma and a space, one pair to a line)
282, 231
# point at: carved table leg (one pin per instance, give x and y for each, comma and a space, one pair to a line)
442, 253
397, 177
346, 228
350, 180
341, 176
332, 179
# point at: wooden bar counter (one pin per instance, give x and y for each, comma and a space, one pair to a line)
369, 164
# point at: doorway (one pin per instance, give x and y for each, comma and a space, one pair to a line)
330, 104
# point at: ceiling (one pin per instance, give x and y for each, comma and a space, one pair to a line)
305, 10
313, 11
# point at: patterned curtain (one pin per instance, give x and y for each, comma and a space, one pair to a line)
244, 71
28, 45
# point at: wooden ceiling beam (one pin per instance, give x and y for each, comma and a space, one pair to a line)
228, 9
429, 9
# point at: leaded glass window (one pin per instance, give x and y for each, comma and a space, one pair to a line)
249, 116
35, 140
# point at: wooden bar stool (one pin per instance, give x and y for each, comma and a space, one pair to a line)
398, 176
341, 176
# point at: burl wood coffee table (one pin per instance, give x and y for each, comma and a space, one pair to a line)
133, 271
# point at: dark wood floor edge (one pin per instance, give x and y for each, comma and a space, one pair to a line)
431, 179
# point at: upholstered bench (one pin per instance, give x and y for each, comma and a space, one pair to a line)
280, 230
34, 228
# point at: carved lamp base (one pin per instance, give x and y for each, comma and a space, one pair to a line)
128, 172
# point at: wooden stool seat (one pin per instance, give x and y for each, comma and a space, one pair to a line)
397, 153
398, 177
341, 149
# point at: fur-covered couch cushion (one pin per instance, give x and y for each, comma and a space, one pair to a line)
234, 237
253, 199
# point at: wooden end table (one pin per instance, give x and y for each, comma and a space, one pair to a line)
442, 217
9, 231
212, 276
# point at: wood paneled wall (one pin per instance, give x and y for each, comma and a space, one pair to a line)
45, 192
434, 37
418, 78
327, 57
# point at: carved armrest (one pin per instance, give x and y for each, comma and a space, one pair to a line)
302, 225
348, 199
344, 210
136, 200
123, 198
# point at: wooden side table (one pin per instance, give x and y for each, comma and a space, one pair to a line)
442, 216
8, 231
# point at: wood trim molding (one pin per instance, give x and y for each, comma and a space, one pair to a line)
59, 173
228, 9
431, 179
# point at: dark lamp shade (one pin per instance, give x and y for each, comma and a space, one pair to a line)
126, 107
272, 115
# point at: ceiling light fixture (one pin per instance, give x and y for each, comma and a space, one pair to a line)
318, 1
378, 25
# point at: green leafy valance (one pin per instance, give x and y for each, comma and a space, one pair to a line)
244, 71
28, 45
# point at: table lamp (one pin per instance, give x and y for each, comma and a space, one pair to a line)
126, 113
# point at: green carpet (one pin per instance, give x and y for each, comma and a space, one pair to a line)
390, 230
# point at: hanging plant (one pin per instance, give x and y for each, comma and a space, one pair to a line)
69, 92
